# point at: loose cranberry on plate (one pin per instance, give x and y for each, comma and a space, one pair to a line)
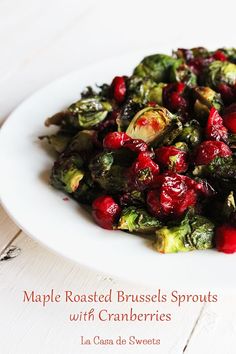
225, 238
105, 211
209, 150
172, 158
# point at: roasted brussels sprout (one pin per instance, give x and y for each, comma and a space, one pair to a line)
58, 141
88, 112
205, 99
191, 133
135, 219
180, 72
221, 72
192, 233
82, 141
144, 90
151, 124
109, 176
67, 173
220, 167
156, 67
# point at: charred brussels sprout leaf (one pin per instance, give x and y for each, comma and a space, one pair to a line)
193, 233
135, 219
191, 133
89, 112
67, 173
221, 72
151, 124
58, 141
155, 67
205, 99
180, 72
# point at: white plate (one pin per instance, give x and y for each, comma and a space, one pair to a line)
64, 226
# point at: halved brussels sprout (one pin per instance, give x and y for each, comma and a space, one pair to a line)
180, 72
221, 72
135, 219
192, 233
150, 124
156, 67
67, 173
206, 99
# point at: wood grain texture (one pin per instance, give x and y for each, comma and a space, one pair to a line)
7, 229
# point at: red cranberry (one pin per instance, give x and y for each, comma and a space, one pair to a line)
115, 140
215, 130
219, 55
169, 157
172, 197
136, 145
172, 97
208, 150
227, 93
230, 121
119, 88
225, 238
144, 171
105, 211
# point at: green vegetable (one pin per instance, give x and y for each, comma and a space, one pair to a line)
155, 67
67, 173
151, 124
58, 141
135, 219
192, 233
109, 176
220, 167
180, 72
206, 98
221, 72
191, 133
88, 112
82, 141
144, 90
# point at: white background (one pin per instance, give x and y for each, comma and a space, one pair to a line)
41, 40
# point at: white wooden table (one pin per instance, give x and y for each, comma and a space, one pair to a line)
41, 40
